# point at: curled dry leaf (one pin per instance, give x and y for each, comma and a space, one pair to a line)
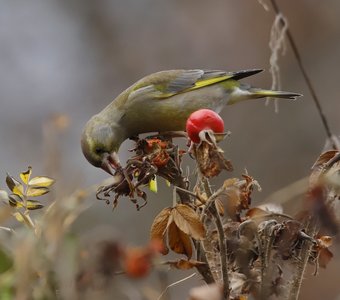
210, 159
323, 253
178, 224
159, 227
321, 165
188, 221
179, 241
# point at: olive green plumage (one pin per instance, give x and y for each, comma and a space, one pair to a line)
162, 102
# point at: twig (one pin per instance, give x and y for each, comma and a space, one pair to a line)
175, 283
223, 251
222, 241
306, 76
305, 253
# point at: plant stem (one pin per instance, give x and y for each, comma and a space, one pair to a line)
305, 252
222, 240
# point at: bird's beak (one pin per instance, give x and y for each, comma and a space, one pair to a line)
110, 163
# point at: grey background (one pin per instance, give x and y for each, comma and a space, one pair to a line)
73, 57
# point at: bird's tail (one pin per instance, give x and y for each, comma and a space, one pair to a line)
260, 93
246, 92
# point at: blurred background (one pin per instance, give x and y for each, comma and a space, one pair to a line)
63, 61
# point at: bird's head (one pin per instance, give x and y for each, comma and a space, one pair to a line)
100, 143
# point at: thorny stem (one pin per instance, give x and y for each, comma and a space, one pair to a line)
306, 77
204, 270
222, 243
311, 229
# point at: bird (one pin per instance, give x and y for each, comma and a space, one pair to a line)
162, 102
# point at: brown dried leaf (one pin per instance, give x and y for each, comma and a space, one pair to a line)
210, 160
183, 264
324, 158
256, 212
188, 221
159, 226
319, 166
179, 242
325, 256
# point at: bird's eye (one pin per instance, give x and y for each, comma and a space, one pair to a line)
99, 150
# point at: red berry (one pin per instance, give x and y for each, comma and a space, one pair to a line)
203, 119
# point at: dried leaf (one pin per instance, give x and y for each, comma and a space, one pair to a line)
210, 159
256, 212
37, 191
19, 217
325, 255
33, 205
25, 176
183, 264
324, 158
188, 221
159, 226
15, 200
41, 181
179, 242
14, 185
325, 241
22, 218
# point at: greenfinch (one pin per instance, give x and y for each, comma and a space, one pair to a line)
162, 102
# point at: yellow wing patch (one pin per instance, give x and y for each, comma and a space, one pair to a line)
209, 81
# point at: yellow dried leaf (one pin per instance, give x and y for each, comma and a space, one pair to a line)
41, 181
37, 191
188, 221
15, 200
159, 226
25, 176
14, 185
153, 185
19, 217
33, 204
179, 242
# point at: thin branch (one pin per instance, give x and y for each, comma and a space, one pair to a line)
219, 226
306, 76
223, 251
175, 283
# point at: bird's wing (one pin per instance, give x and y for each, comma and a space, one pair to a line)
169, 83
